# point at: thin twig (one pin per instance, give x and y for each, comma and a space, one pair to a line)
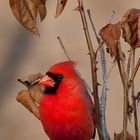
133, 66
99, 48
134, 100
122, 62
93, 27
121, 66
125, 112
129, 63
93, 69
113, 65
123, 74
125, 107
104, 78
134, 72
63, 47
24, 83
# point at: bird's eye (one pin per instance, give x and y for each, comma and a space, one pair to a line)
59, 77
47, 73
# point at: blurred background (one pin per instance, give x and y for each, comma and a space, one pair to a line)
22, 53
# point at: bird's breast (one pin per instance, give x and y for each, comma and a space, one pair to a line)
67, 118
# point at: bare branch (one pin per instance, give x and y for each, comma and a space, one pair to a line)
129, 63
63, 47
93, 69
134, 100
113, 65
104, 75
134, 73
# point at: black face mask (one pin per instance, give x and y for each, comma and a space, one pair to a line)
57, 79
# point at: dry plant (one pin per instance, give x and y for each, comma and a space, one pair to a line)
128, 28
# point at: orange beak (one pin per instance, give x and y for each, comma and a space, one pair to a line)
47, 81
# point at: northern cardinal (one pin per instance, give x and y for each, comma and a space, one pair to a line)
66, 109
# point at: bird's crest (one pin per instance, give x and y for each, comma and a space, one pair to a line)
65, 68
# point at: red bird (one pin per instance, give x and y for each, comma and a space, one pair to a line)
66, 109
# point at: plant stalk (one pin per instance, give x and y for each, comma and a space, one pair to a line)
104, 78
93, 70
129, 63
125, 105
125, 113
134, 101
63, 47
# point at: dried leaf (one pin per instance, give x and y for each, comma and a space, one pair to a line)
36, 92
41, 8
25, 99
25, 12
110, 34
120, 136
31, 98
60, 7
131, 27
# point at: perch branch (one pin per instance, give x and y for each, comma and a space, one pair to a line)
104, 78
93, 69
134, 100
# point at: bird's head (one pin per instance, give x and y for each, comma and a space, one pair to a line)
56, 74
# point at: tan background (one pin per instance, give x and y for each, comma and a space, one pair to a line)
22, 53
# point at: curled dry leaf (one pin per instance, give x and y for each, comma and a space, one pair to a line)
131, 27
120, 136
25, 12
36, 92
31, 98
25, 99
40, 4
110, 34
60, 7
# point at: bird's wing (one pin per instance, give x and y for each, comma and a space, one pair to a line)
78, 87
92, 106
